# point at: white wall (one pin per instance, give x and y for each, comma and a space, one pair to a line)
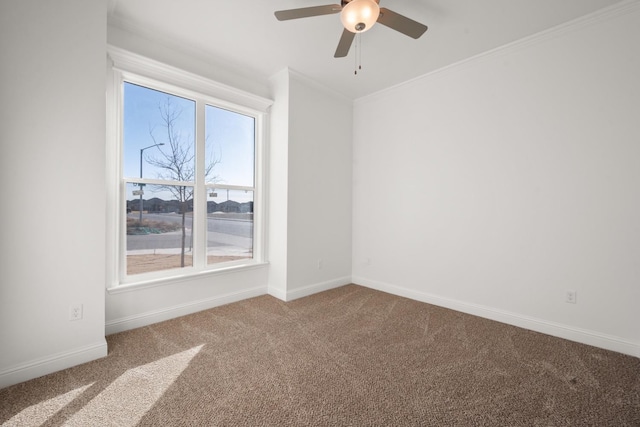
52, 137
278, 185
495, 185
310, 200
129, 308
320, 164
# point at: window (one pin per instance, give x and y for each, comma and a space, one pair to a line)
188, 197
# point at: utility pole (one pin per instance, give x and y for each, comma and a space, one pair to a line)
141, 184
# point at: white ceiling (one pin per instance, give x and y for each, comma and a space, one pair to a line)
246, 36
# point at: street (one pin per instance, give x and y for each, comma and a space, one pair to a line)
224, 235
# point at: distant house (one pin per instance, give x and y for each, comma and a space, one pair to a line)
157, 205
246, 207
229, 206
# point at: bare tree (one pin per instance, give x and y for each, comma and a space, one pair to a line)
176, 160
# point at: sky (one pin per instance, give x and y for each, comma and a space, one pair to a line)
229, 138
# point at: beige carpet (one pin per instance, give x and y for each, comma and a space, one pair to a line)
347, 357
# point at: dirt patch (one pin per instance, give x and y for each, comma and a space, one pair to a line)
150, 227
137, 264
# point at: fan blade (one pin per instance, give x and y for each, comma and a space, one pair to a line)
401, 23
306, 12
344, 44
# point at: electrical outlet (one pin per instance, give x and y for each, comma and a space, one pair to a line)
75, 312
366, 261
571, 297
320, 264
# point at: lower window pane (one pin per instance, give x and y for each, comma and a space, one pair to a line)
159, 227
229, 225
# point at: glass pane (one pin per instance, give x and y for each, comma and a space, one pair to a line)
229, 225
159, 227
159, 134
230, 147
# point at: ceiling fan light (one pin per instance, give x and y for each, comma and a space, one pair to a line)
359, 15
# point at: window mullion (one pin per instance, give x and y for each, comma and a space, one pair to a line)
200, 199
259, 228
219, 186
159, 182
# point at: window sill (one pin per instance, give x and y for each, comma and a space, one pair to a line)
136, 286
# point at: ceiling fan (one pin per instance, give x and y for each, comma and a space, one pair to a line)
357, 17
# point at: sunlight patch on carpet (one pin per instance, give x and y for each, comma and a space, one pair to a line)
131, 395
36, 415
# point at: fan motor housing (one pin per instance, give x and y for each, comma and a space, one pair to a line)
343, 3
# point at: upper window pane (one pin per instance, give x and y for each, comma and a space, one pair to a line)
230, 147
159, 135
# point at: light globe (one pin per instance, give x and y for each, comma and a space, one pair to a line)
359, 15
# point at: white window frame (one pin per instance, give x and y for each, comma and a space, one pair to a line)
124, 66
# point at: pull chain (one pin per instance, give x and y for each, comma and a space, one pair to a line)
358, 55
360, 52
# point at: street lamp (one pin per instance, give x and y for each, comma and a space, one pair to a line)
141, 184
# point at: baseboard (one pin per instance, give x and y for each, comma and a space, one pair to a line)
57, 362
155, 316
571, 333
281, 294
304, 291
